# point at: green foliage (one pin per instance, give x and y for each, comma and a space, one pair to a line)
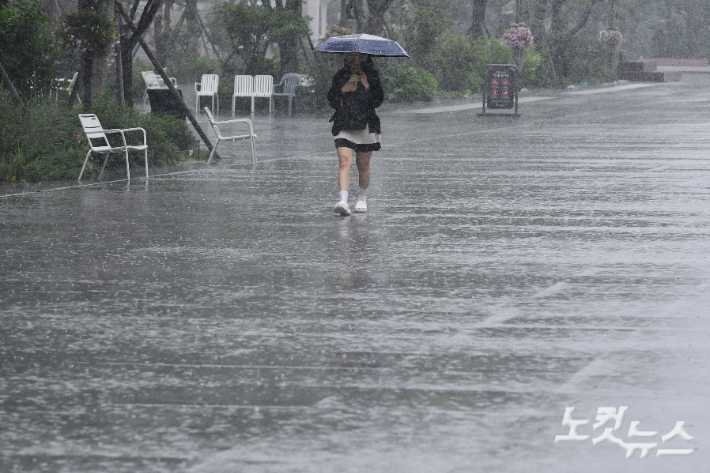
27, 51
326, 65
40, 144
670, 39
87, 30
422, 28
498, 53
166, 135
532, 73
458, 61
190, 68
47, 142
404, 83
247, 31
580, 59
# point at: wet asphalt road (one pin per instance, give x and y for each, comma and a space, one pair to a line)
224, 319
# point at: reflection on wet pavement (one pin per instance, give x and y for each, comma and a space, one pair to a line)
226, 320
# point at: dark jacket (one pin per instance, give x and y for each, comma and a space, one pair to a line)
355, 110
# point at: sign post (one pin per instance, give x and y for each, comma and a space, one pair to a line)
500, 87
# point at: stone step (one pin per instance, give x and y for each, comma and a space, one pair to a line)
641, 76
636, 66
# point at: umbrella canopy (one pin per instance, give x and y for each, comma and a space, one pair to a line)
362, 43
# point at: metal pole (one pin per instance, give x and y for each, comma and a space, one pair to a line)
166, 79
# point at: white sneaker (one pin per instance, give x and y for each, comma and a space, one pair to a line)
342, 208
360, 206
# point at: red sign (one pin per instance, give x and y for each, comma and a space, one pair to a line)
494, 82
505, 82
504, 92
494, 92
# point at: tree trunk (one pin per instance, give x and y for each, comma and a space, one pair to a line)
193, 27
88, 77
127, 65
557, 19
537, 26
288, 49
376, 18
100, 64
129, 39
478, 29
158, 37
10, 86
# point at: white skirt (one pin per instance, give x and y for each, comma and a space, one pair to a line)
359, 137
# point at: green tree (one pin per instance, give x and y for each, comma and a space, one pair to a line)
91, 32
129, 40
245, 32
27, 50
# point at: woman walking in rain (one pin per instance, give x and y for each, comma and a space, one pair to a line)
355, 93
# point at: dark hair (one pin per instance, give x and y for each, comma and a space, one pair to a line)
368, 65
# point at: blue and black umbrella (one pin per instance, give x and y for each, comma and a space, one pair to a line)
362, 43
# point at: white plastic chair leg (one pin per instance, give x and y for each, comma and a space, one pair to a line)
84, 165
214, 150
103, 166
146, 162
234, 105
252, 105
128, 169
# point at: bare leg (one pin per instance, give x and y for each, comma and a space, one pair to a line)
363, 168
346, 163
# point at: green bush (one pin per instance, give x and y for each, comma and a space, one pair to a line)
531, 75
27, 51
404, 83
579, 59
166, 135
47, 142
326, 67
40, 144
189, 69
458, 62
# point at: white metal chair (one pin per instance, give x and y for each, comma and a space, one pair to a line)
243, 87
263, 88
215, 126
209, 87
65, 85
94, 131
289, 82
